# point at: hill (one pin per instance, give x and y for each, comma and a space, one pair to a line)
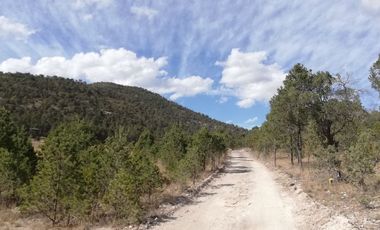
40, 103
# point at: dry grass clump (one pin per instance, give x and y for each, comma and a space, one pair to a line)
320, 184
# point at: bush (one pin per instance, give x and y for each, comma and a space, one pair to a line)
361, 158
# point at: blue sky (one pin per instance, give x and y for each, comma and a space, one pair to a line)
222, 58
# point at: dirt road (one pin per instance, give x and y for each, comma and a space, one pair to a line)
246, 196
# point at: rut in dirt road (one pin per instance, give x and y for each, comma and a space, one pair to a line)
245, 196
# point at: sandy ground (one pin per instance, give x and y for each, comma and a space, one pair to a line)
247, 196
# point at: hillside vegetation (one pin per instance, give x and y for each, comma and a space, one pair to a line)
318, 116
109, 152
41, 103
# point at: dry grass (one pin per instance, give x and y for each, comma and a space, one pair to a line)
10, 218
339, 195
37, 144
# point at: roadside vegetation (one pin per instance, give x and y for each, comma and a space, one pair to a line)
317, 121
73, 153
76, 178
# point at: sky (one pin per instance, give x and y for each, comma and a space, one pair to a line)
223, 58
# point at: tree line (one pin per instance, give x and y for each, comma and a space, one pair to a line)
316, 114
77, 177
41, 103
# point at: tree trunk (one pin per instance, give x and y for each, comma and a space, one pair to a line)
299, 148
275, 157
291, 155
291, 150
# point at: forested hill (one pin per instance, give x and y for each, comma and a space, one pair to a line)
40, 103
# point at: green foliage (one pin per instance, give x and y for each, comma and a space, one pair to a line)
18, 160
123, 197
41, 103
7, 177
95, 175
140, 177
190, 166
54, 191
173, 148
363, 156
202, 144
312, 142
374, 76
146, 173
145, 141
315, 112
95, 169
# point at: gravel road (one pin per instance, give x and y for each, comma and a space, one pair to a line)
247, 196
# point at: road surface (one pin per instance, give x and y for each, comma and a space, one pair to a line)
245, 196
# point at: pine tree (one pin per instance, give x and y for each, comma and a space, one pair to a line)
55, 190
173, 148
374, 76
363, 157
18, 160
123, 196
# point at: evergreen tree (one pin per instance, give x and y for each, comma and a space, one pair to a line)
202, 145
18, 158
122, 195
374, 76
173, 148
96, 173
190, 166
55, 190
363, 157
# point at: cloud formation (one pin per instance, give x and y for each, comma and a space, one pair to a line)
251, 122
14, 30
373, 5
80, 4
247, 77
142, 11
120, 66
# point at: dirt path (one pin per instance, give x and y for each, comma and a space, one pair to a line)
246, 196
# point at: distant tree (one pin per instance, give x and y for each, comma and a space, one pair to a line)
202, 144
374, 75
41, 103
145, 141
190, 166
146, 173
218, 148
173, 148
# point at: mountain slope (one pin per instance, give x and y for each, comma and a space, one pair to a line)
40, 103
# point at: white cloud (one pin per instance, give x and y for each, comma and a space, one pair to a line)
251, 121
120, 66
88, 17
80, 4
185, 87
222, 100
373, 5
246, 76
13, 29
144, 11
